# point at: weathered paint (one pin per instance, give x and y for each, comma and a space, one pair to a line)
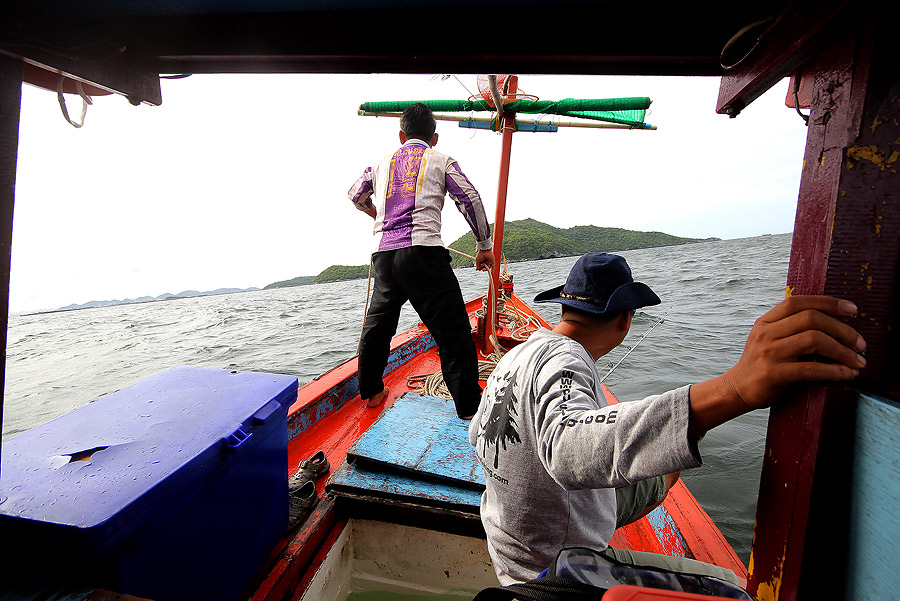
345, 381
847, 203
793, 434
368, 479
321, 553
771, 589
875, 485
289, 560
782, 50
423, 435
872, 153
667, 532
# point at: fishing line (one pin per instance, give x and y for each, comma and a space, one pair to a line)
661, 319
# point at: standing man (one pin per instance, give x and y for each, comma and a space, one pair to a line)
404, 194
565, 469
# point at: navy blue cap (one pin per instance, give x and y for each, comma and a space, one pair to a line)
600, 283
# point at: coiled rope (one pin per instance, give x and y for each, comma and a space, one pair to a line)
433, 384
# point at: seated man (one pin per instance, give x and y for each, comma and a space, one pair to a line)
560, 452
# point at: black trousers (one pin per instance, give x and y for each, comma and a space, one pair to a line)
422, 275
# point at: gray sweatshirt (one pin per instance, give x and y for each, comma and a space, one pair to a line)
553, 452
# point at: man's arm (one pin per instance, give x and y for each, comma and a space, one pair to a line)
780, 351
585, 443
484, 260
361, 191
468, 201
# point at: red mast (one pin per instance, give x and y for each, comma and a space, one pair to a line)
506, 122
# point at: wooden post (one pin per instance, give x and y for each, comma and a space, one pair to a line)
507, 126
847, 244
10, 103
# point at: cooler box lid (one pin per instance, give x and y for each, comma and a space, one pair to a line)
99, 466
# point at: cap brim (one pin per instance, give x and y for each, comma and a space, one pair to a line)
629, 296
549, 296
633, 295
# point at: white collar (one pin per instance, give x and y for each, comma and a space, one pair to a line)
417, 141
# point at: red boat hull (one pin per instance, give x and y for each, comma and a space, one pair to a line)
330, 416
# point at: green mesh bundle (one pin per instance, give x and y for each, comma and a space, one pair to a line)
626, 111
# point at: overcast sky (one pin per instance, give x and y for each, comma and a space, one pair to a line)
241, 180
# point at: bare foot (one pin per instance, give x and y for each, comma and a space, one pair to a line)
469, 417
378, 398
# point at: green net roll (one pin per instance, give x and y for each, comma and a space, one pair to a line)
438, 106
626, 111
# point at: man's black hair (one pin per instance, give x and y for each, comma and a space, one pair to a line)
418, 121
591, 317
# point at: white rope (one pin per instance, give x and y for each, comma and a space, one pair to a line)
433, 384
85, 100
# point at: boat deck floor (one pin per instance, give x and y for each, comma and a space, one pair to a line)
417, 462
418, 451
336, 432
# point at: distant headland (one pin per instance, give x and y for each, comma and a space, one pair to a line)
525, 240
149, 299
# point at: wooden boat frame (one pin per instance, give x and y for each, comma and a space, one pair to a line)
329, 415
845, 237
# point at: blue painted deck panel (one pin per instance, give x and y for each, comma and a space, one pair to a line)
421, 435
374, 482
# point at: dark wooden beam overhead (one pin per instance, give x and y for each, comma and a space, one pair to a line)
654, 37
774, 49
62, 49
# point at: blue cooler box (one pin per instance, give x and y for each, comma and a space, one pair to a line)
174, 488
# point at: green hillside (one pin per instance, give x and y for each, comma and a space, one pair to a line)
524, 240
531, 239
342, 272
297, 281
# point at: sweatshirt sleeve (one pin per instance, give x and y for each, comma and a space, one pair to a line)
361, 191
469, 204
584, 443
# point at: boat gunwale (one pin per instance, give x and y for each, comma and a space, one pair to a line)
328, 393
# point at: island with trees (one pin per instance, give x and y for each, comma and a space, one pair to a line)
525, 240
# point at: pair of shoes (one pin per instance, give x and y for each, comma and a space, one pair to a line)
302, 488
310, 469
302, 501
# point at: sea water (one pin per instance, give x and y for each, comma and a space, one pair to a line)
713, 291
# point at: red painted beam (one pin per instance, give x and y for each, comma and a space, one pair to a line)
289, 563
795, 426
10, 101
847, 244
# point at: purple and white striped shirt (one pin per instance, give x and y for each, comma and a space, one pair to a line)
407, 190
